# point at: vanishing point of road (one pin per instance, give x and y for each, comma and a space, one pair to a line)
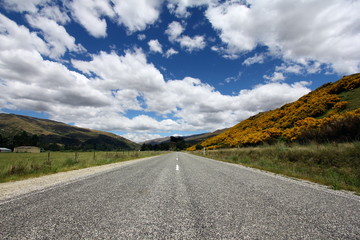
181, 196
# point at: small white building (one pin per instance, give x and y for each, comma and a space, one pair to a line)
5, 150
27, 149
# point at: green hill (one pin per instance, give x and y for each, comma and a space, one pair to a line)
18, 129
329, 113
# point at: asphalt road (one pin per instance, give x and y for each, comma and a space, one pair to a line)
180, 196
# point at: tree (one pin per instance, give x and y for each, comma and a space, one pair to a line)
25, 139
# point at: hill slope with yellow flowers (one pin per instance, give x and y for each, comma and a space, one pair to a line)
329, 113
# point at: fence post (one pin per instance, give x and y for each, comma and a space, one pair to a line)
48, 162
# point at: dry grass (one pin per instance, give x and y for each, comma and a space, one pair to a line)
16, 166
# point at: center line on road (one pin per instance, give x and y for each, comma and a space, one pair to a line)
177, 167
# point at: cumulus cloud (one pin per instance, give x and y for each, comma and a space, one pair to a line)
137, 14
311, 31
140, 137
174, 32
54, 13
170, 52
258, 58
155, 46
179, 7
192, 44
131, 71
53, 40
275, 77
268, 96
56, 35
13, 36
90, 14
141, 37
24, 6
46, 84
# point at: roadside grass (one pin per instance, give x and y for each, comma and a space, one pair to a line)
334, 165
18, 166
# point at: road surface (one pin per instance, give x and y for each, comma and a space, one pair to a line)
181, 196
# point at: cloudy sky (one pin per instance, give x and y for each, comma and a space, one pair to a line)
150, 68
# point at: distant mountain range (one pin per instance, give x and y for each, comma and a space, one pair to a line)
192, 139
51, 134
330, 113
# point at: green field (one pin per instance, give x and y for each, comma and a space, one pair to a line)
17, 166
335, 165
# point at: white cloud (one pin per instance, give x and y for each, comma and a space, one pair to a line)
226, 53
233, 79
141, 37
40, 7
179, 7
24, 6
312, 31
155, 46
258, 58
235, 24
192, 44
137, 14
13, 36
46, 85
268, 96
170, 52
290, 68
54, 13
56, 35
276, 77
140, 137
122, 72
174, 30
90, 14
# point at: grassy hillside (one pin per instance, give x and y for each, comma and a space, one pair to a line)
61, 134
329, 113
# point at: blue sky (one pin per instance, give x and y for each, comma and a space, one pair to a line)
150, 68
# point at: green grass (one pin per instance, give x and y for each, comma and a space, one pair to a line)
353, 97
17, 166
335, 165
